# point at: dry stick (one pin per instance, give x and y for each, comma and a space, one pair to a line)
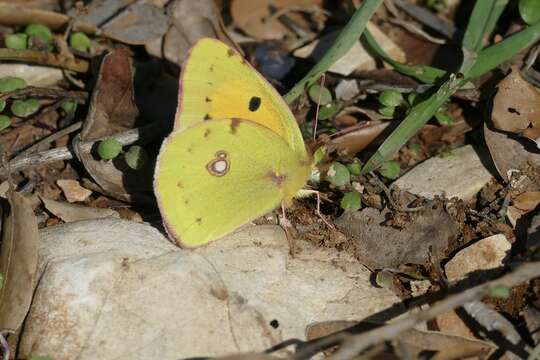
357, 343
64, 153
40, 92
44, 58
49, 139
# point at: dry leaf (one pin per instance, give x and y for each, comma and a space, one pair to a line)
18, 261
424, 237
357, 140
113, 110
516, 107
74, 212
73, 191
256, 17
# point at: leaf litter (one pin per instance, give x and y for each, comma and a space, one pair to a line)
404, 238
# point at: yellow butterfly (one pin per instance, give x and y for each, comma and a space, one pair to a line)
235, 153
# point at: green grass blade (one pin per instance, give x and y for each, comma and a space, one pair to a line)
491, 57
484, 16
346, 39
424, 73
418, 117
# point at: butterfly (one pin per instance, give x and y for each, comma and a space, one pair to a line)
235, 153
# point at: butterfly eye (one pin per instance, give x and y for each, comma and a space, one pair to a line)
220, 165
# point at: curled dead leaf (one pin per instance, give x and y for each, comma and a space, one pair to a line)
516, 107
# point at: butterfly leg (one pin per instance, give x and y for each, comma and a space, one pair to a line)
330, 226
285, 223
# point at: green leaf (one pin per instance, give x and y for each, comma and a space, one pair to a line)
11, 83
39, 36
501, 292
344, 42
69, 106
327, 111
483, 18
338, 174
16, 41
25, 108
319, 95
355, 168
351, 201
424, 73
109, 148
79, 41
390, 169
529, 11
494, 55
136, 157
417, 117
443, 118
390, 98
5, 122
387, 111
2, 105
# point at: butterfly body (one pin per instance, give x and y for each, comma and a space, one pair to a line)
235, 153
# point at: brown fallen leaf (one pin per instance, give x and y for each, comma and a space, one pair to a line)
509, 153
74, 212
18, 260
257, 17
191, 20
424, 238
355, 141
516, 107
112, 110
73, 191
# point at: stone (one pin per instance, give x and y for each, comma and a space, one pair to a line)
459, 173
34, 75
486, 254
116, 289
357, 58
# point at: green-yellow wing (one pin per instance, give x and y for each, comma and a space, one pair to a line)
217, 83
219, 174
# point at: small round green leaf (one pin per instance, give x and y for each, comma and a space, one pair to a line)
338, 174
109, 148
443, 118
79, 41
16, 41
529, 11
501, 292
25, 108
69, 106
327, 111
351, 201
5, 122
2, 105
390, 98
355, 168
390, 169
411, 98
319, 154
39, 36
316, 91
387, 111
136, 157
11, 83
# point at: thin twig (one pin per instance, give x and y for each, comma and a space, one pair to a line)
44, 58
49, 139
357, 343
50, 93
64, 153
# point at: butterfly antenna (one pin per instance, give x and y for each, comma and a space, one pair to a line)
318, 106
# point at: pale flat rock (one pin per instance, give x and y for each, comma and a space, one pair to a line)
34, 75
486, 254
357, 58
73, 191
459, 173
115, 289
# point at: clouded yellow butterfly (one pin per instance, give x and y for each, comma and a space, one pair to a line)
235, 152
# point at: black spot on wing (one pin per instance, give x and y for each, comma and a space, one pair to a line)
207, 99
207, 117
254, 103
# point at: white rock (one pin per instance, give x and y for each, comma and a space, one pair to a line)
357, 58
486, 254
458, 174
34, 75
114, 289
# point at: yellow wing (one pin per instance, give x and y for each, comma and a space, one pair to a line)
219, 174
217, 83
